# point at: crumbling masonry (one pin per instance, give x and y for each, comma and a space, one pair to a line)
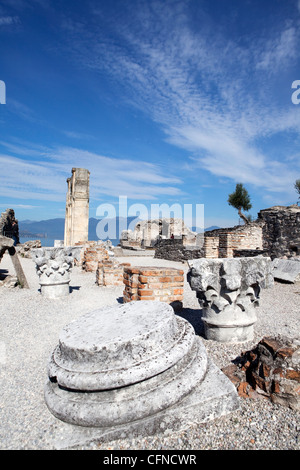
77, 207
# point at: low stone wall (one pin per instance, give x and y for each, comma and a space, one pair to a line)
249, 253
175, 250
222, 243
84, 246
24, 249
110, 273
92, 256
154, 283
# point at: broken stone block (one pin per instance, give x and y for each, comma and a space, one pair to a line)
133, 369
24, 249
228, 293
271, 370
286, 270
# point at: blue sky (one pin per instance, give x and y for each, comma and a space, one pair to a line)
163, 101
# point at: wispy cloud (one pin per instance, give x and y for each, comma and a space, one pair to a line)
211, 94
9, 20
279, 50
45, 178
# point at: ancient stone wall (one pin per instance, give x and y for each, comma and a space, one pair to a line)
154, 283
175, 250
222, 243
147, 233
110, 273
77, 207
281, 230
276, 233
92, 256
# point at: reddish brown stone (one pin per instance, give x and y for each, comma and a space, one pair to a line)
293, 375
272, 344
285, 352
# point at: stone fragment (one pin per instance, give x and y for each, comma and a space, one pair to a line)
228, 293
286, 270
272, 369
24, 249
133, 369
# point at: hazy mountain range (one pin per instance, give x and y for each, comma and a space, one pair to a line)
54, 228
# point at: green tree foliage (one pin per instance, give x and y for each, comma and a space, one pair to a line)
240, 199
297, 187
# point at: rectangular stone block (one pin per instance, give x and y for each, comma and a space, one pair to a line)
154, 283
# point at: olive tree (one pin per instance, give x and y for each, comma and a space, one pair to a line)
297, 187
240, 199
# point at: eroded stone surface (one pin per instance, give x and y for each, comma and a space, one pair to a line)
53, 267
228, 292
287, 270
119, 345
270, 370
143, 368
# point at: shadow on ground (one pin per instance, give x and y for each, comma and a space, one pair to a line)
194, 317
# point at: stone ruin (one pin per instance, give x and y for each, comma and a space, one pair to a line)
91, 252
147, 232
281, 231
154, 283
6, 220
131, 370
110, 273
77, 207
275, 233
270, 370
98, 257
24, 249
228, 293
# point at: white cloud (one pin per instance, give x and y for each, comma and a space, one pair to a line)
45, 179
208, 92
279, 50
8, 20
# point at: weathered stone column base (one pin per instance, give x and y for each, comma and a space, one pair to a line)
228, 334
214, 397
132, 369
54, 291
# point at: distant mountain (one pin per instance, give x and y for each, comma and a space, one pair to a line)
51, 228
200, 230
54, 228
213, 227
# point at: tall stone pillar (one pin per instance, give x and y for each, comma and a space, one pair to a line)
77, 207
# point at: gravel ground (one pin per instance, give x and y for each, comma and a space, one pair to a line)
30, 327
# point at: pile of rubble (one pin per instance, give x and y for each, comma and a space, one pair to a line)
271, 370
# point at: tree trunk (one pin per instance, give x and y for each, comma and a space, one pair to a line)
242, 216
